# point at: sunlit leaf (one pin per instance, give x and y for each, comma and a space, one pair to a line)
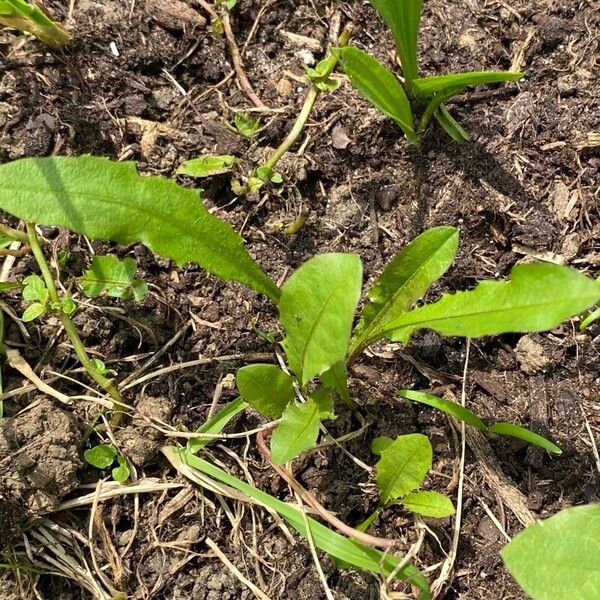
266, 388
101, 456
297, 432
207, 166
516, 431
114, 277
428, 86
428, 504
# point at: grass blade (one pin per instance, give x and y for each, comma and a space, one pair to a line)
516, 431
451, 126
426, 87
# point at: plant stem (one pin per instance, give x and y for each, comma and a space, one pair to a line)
13, 234
70, 328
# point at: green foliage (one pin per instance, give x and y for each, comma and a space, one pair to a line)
421, 96
116, 278
316, 310
593, 316
527, 302
327, 540
559, 557
103, 456
403, 465
207, 166
266, 388
321, 75
246, 124
20, 15
35, 291
470, 418
110, 201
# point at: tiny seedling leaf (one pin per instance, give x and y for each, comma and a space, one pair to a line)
101, 456
558, 558
116, 278
379, 86
537, 297
33, 311
428, 504
405, 280
516, 431
297, 432
246, 124
403, 17
316, 310
450, 408
426, 87
403, 466
108, 200
121, 472
34, 289
207, 166
266, 388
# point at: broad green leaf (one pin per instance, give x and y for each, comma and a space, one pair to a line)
121, 472
327, 540
297, 432
216, 424
109, 201
379, 86
316, 310
405, 280
451, 408
428, 86
593, 316
336, 378
558, 558
101, 456
403, 17
513, 430
537, 297
379, 444
266, 388
34, 289
403, 466
23, 16
206, 166
33, 311
428, 504
451, 126
107, 274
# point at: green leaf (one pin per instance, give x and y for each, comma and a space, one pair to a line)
593, 316
33, 311
450, 408
379, 444
116, 278
403, 466
6, 286
403, 17
206, 166
246, 124
216, 424
23, 16
537, 297
405, 280
327, 540
429, 504
513, 430
266, 174
297, 432
428, 86
35, 289
101, 456
109, 201
68, 306
336, 379
121, 473
323, 396
316, 310
451, 126
379, 86
266, 388
558, 558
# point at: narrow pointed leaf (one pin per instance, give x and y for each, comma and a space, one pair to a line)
516, 431
297, 432
593, 316
266, 388
327, 540
379, 86
108, 200
429, 504
537, 297
428, 86
403, 17
558, 558
451, 126
405, 280
450, 408
403, 466
316, 310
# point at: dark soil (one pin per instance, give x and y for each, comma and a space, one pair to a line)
526, 185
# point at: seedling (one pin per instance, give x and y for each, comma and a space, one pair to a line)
20, 15
104, 456
415, 101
